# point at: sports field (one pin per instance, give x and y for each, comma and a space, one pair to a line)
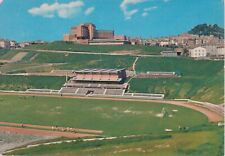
116, 118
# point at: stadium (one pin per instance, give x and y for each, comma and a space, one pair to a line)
101, 82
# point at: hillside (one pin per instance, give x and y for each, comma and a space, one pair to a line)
207, 29
201, 80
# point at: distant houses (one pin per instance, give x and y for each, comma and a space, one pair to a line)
4, 44
11, 44
216, 52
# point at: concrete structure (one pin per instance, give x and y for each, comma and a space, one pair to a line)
87, 33
101, 75
198, 52
169, 54
101, 82
97, 82
108, 42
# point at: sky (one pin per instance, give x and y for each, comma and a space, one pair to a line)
49, 20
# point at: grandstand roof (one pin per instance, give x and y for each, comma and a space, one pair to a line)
99, 70
98, 79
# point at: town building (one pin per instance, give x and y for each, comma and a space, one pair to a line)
198, 52
88, 34
4, 44
215, 51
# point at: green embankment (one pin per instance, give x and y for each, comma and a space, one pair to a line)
29, 82
200, 80
208, 143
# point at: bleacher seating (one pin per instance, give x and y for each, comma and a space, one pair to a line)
99, 91
68, 90
114, 92
95, 85
82, 91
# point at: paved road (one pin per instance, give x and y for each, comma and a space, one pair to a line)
93, 53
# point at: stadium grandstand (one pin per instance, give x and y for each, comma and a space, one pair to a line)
97, 82
101, 82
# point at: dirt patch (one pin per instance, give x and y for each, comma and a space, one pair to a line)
126, 52
37, 132
18, 57
14, 140
51, 128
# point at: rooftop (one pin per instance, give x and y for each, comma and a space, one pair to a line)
99, 70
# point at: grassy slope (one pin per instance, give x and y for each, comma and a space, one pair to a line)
27, 82
67, 61
69, 46
201, 80
78, 61
209, 143
113, 117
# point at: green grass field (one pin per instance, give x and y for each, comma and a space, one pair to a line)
29, 82
69, 46
116, 118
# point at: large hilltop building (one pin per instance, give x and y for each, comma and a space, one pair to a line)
88, 34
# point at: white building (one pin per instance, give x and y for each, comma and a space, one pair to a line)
13, 44
198, 52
